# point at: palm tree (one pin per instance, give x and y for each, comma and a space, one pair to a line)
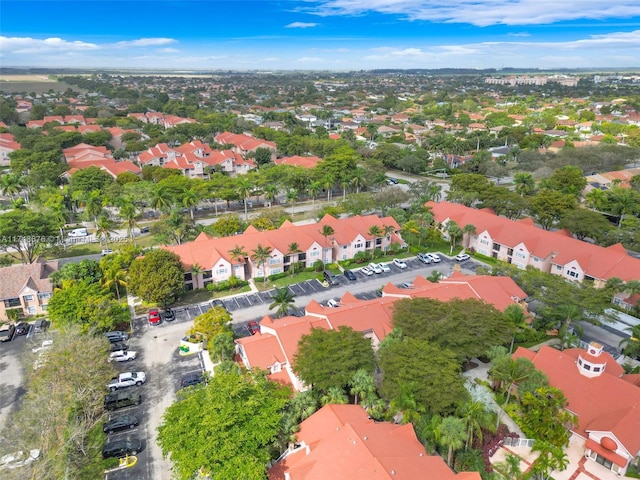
524, 183
18, 204
114, 277
631, 345
509, 372
260, 255
334, 395
292, 196
282, 301
476, 418
190, 199
293, 249
509, 469
344, 183
271, 193
517, 318
376, 232
404, 404
596, 199
326, 232
237, 253
452, 433
327, 182
454, 232
93, 205
129, 214
11, 184
358, 179
104, 229
313, 189
244, 188
196, 270
469, 230
362, 385
160, 199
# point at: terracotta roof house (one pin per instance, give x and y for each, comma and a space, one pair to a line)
244, 144
306, 162
341, 442
274, 348
8, 144
26, 287
606, 403
84, 152
350, 237
522, 244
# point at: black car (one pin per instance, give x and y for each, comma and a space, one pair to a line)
216, 302
350, 275
121, 399
6, 333
22, 328
330, 279
120, 448
144, 229
119, 346
191, 379
121, 422
169, 315
116, 336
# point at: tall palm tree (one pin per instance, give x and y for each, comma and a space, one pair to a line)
515, 314
114, 277
313, 189
93, 205
244, 188
11, 184
469, 230
327, 182
452, 434
509, 469
190, 199
293, 249
282, 301
104, 229
454, 232
476, 418
524, 183
596, 199
508, 372
326, 232
237, 253
292, 196
196, 271
358, 179
271, 193
404, 404
376, 232
334, 395
260, 255
160, 199
129, 214
362, 385
631, 345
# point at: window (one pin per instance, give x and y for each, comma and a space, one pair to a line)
274, 271
496, 246
12, 302
378, 241
32, 310
510, 252
206, 274
28, 298
44, 308
274, 261
315, 253
221, 271
358, 245
287, 259
344, 247
188, 277
580, 361
43, 296
558, 267
573, 274
484, 241
302, 257
596, 369
520, 255
367, 244
586, 366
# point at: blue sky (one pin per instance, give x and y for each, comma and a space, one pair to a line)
320, 34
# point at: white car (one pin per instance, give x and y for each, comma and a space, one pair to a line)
122, 356
435, 258
366, 270
461, 257
375, 267
399, 263
106, 251
333, 303
384, 267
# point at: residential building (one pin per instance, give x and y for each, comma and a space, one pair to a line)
26, 287
8, 144
605, 400
341, 442
522, 244
244, 144
275, 347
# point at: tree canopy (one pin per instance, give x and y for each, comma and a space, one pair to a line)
329, 358
230, 438
157, 277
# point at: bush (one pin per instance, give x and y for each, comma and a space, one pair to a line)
230, 284
361, 257
276, 276
529, 335
318, 266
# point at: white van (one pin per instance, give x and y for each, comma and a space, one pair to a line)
78, 232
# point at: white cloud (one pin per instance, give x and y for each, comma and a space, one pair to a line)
301, 25
519, 34
146, 42
480, 13
33, 46
169, 50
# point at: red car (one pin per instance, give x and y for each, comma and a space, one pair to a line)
154, 317
253, 327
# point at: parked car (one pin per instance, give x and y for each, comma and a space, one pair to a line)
154, 317
121, 448
119, 346
350, 275
406, 285
392, 181
384, 267
191, 379
435, 258
121, 399
424, 258
22, 328
121, 422
329, 278
106, 251
127, 379
366, 270
144, 229
169, 315
333, 303
461, 257
216, 302
254, 327
116, 336
399, 263
122, 356
7, 332
78, 232
40, 326
375, 268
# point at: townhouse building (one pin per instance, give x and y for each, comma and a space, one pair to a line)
521, 243
26, 287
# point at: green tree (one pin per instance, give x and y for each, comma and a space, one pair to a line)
362, 385
631, 345
190, 199
433, 370
544, 416
260, 255
376, 232
334, 395
326, 231
282, 301
89, 179
114, 277
477, 418
451, 434
226, 226
585, 223
157, 277
454, 232
210, 324
104, 228
329, 358
244, 189
293, 249
524, 182
84, 270
24, 234
568, 180
223, 449
549, 206
223, 347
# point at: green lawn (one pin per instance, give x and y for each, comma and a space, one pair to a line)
286, 281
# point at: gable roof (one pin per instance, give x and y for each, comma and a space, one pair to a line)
341, 442
596, 261
15, 278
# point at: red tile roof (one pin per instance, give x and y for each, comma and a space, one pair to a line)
306, 162
341, 442
597, 262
